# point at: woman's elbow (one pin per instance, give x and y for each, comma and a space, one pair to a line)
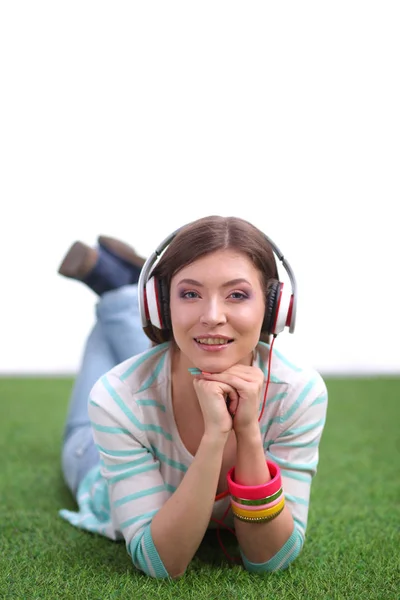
177, 575
282, 559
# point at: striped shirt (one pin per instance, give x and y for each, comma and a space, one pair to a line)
143, 459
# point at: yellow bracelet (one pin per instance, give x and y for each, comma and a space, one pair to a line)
258, 513
260, 519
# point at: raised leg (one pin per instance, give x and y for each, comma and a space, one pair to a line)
79, 453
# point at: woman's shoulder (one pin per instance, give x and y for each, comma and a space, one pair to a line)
141, 371
131, 396
288, 371
136, 374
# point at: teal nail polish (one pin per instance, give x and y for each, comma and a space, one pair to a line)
194, 371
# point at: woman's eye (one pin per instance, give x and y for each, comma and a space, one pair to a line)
189, 295
238, 296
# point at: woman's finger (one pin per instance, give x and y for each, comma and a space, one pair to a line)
236, 382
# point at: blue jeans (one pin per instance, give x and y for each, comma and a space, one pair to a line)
116, 336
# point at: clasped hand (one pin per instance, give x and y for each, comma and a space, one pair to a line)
231, 399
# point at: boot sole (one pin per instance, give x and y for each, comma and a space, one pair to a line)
78, 262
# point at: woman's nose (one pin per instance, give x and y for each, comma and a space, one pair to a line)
213, 313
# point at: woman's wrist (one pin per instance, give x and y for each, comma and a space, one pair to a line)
215, 439
250, 433
250, 468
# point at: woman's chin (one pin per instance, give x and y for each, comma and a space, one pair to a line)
217, 366
217, 361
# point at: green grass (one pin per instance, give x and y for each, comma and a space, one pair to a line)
352, 546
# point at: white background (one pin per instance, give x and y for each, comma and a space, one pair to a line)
132, 118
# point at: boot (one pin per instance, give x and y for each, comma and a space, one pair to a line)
78, 262
100, 270
121, 250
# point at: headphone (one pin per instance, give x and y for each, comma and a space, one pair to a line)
281, 303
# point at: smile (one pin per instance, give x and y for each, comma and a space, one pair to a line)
213, 343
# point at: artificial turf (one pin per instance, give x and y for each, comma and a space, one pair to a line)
352, 547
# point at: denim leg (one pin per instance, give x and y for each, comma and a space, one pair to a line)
79, 453
117, 335
118, 312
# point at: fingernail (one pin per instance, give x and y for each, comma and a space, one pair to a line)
194, 371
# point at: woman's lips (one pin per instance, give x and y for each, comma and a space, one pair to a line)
212, 347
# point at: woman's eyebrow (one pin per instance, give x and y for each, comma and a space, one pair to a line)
236, 282
227, 284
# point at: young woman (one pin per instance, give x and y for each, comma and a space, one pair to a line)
207, 425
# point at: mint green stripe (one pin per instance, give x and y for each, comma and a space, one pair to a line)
150, 491
127, 474
306, 477
90, 521
134, 452
131, 463
296, 499
279, 396
294, 553
135, 551
260, 343
303, 429
268, 443
264, 428
301, 524
298, 444
275, 398
292, 465
94, 403
286, 361
155, 374
142, 544
156, 562
151, 403
142, 358
264, 366
320, 400
107, 429
133, 520
300, 399
127, 411
168, 461
118, 400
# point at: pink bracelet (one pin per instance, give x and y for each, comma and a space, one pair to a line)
256, 492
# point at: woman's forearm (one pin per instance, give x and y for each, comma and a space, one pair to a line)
179, 526
258, 541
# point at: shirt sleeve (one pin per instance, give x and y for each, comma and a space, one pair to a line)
294, 447
135, 484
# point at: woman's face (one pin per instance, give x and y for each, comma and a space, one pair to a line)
217, 310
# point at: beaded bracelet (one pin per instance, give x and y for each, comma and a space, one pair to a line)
258, 503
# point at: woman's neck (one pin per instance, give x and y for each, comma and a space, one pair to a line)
182, 380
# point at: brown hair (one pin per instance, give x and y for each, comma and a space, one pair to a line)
207, 235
